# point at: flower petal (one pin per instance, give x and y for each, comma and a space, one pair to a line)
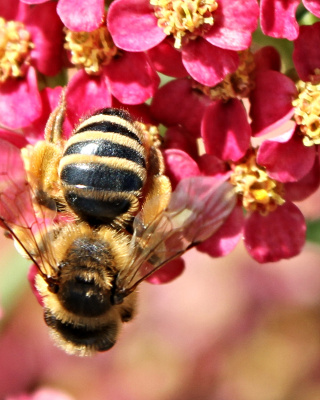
132, 79
227, 237
278, 18
306, 186
93, 92
168, 272
16, 139
20, 102
271, 101
133, 25
49, 98
313, 6
177, 103
267, 58
84, 15
212, 166
45, 27
233, 24
11, 10
280, 155
167, 60
34, 1
32, 273
278, 235
306, 55
177, 137
179, 165
225, 130
208, 64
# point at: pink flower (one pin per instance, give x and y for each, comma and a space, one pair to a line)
279, 155
32, 40
278, 17
84, 15
104, 70
209, 35
273, 227
184, 102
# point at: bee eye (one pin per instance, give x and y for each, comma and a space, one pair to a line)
84, 297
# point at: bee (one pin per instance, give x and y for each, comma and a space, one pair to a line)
88, 274
103, 173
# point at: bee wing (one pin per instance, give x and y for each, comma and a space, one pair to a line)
197, 209
24, 220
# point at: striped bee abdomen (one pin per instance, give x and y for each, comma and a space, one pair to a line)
103, 169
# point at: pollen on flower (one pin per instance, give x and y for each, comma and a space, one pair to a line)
236, 85
90, 50
152, 132
15, 47
182, 17
307, 112
257, 190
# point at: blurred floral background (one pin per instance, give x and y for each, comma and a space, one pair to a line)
228, 328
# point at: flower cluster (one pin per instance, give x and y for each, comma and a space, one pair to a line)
223, 96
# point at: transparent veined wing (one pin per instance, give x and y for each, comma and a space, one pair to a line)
27, 222
197, 209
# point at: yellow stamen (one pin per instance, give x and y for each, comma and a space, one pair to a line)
90, 50
151, 133
257, 190
307, 112
182, 17
236, 85
15, 47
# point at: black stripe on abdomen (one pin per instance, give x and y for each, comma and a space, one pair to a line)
100, 177
114, 112
105, 148
109, 126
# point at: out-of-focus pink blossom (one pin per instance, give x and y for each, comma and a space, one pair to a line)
42, 394
84, 15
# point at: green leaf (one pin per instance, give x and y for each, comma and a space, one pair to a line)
313, 231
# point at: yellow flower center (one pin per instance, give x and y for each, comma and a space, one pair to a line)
236, 85
258, 191
15, 46
181, 17
90, 50
307, 112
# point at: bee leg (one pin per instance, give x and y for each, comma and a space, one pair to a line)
41, 163
53, 129
42, 160
159, 187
